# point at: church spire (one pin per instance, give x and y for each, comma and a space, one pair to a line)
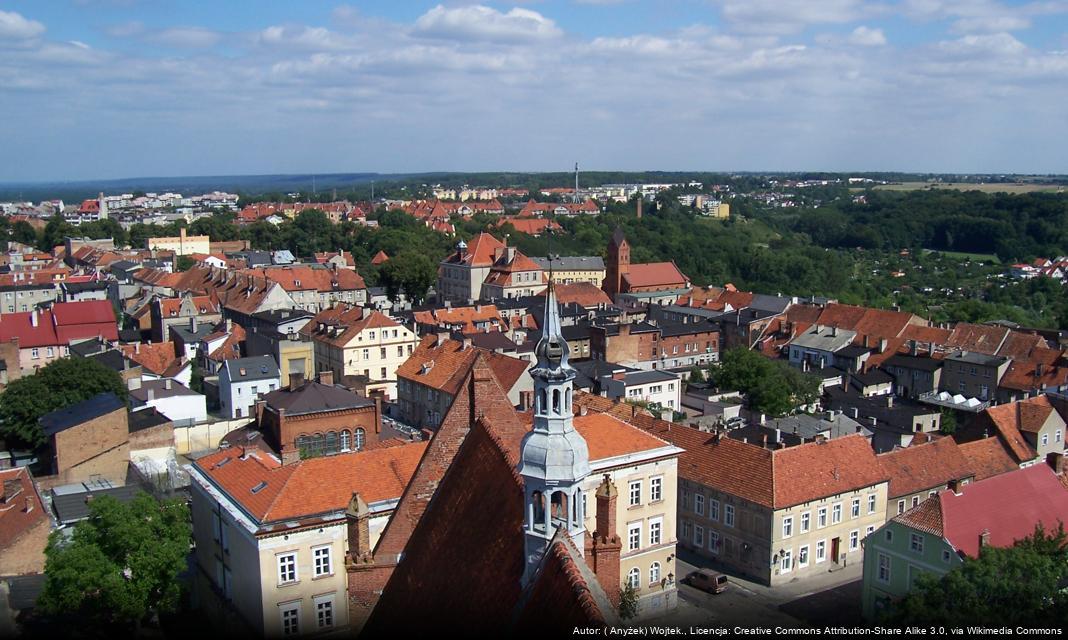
554, 457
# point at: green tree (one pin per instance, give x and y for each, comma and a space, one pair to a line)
22, 232
409, 271
121, 565
58, 384
1018, 585
948, 421
697, 375
184, 263
628, 602
772, 387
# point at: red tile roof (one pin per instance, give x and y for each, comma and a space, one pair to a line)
584, 294
980, 338
450, 364
171, 307
923, 467
17, 492
155, 358
480, 252
300, 278
1011, 418
1008, 507
379, 258
350, 321
298, 490
988, 457
530, 226
655, 274
64, 323
465, 318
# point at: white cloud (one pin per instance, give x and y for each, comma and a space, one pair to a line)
867, 37
793, 16
477, 22
189, 37
982, 16
15, 27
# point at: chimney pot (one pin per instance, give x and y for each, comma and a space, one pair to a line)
296, 380
326, 377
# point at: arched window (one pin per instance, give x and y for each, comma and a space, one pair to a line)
634, 576
303, 446
330, 445
346, 440
567, 400
559, 506
543, 402
654, 573
556, 401
360, 438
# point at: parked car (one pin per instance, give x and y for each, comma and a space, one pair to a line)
707, 580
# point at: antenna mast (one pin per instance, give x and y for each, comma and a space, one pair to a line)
576, 182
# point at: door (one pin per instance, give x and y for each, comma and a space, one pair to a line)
835, 542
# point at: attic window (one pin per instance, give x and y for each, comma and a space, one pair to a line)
427, 366
223, 463
259, 487
242, 371
263, 369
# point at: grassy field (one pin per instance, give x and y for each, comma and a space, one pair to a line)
975, 257
1001, 187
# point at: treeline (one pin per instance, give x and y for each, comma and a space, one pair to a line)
1013, 227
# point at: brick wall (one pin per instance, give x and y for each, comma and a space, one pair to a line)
97, 446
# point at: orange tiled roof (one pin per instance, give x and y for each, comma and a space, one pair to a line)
980, 338
350, 322
230, 349
153, 357
927, 517
1008, 425
1018, 345
467, 317
608, 436
584, 294
921, 467
298, 490
302, 278
1044, 367
450, 363
655, 274
530, 226
379, 258
15, 519
171, 307
480, 252
988, 457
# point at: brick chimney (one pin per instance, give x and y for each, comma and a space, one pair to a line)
984, 538
296, 381
357, 523
604, 556
954, 486
326, 377
1056, 461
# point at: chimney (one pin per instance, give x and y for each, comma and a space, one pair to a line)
358, 528
984, 539
866, 341
1055, 460
167, 384
913, 347
296, 381
441, 338
583, 409
604, 556
193, 324
326, 377
29, 504
151, 394
954, 486
890, 401
854, 413
33, 317
834, 331
882, 345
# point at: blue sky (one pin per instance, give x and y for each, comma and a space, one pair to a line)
121, 88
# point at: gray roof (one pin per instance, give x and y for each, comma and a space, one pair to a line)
89, 347
571, 263
971, 357
279, 316
71, 507
313, 397
124, 265
920, 363
774, 304
113, 359
78, 287
644, 377
78, 413
255, 368
820, 338
189, 336
159, 390
852, 351
146, 418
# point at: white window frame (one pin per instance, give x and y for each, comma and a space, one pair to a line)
318, 554
787, 526
916, 543
327, 600
821, 551
656, 489
654, 573
656, 531
634, 536
882, 573
284, 570
854, 508
635, 489
854, 540
698, 536
728, 515
292, 607
699, 504
634, 577
806, 522
802, 556
873, 502
786, 562
713, 509
713, 542
821, 517
836, 513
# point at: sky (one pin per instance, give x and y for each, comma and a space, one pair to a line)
96, 89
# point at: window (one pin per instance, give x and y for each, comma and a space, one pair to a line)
290, 618
884, 568
655, 527
360, 437
1045, 436
35, 354
713, 541
366, 354
854, 540
806, 519
324, 611
654, 573
685, 530
400, 351
900, 507
854, 511
50, 352
915, 500
946, 555
836, 513
1057, 436
916, 543
821, 517
287, 568
633, 576
869, 530
685, 499
634, 535
787, 527
889, 535
802, 557
699, 536
786, 564
656, 489
821, 551
728, 515
635, 493
382, 373
346, 440
871, 503
713, 509
699, 504
216, 526
321, 558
